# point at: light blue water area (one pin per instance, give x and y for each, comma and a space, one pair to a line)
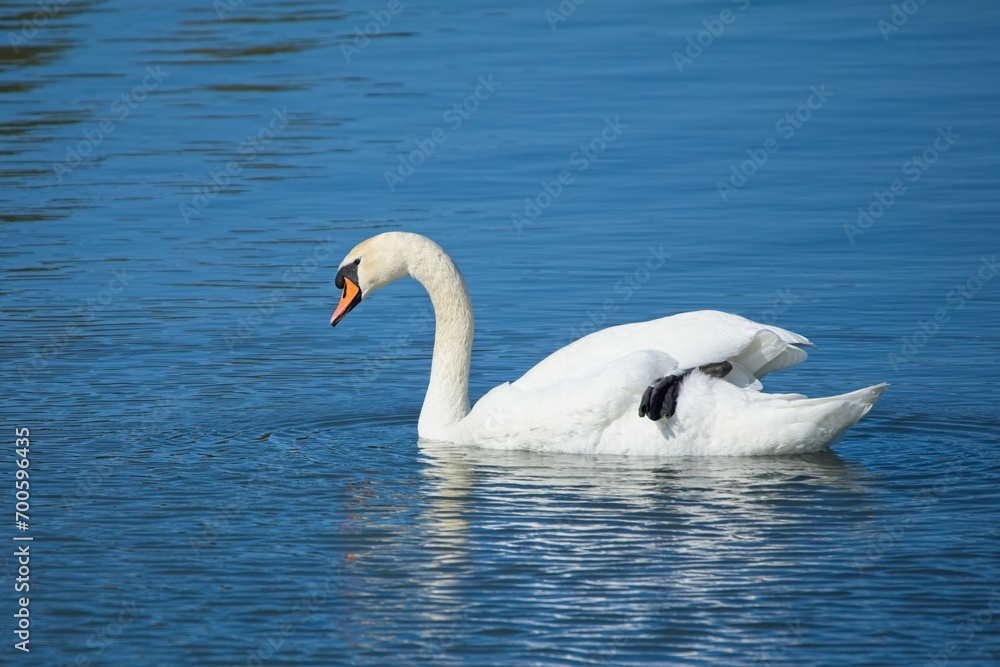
218, 478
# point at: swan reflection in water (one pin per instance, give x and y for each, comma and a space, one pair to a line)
641, 540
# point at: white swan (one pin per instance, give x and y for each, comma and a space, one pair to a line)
687, 384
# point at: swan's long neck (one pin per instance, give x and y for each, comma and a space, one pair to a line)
447, 399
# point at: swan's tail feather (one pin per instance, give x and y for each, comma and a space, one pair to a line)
822, 421
751, 423
862, 399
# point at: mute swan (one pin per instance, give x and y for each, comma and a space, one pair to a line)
687, 384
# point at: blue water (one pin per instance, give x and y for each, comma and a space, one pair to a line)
218, 478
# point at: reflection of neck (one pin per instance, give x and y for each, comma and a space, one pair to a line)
447, 399
445, 522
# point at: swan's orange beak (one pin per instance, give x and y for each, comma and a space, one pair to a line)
350, 298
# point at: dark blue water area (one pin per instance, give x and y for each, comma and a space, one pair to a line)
218, 478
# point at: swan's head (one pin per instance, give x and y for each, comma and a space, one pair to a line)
370, 265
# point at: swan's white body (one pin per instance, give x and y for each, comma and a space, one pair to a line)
584, 398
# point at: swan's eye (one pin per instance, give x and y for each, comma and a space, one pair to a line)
347, 271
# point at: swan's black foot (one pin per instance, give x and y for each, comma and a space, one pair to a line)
660, 398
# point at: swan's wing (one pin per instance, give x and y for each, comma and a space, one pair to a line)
575, 408
692, 339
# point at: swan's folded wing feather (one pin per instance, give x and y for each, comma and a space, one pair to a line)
693, 339
767, 353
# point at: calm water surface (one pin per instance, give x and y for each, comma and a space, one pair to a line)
220, 479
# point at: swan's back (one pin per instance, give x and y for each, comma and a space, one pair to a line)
692, 339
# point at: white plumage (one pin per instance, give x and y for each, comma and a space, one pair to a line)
584, 398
